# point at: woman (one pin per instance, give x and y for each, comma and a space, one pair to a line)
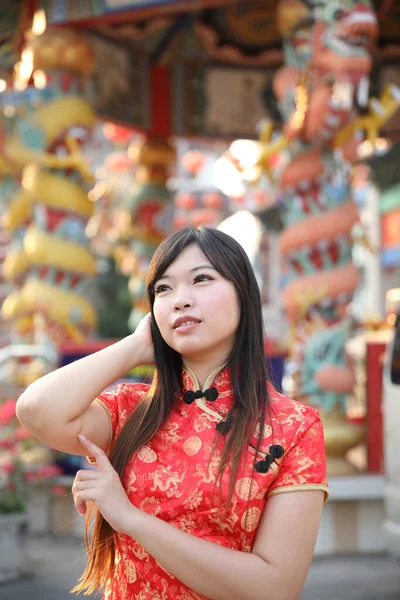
191, 470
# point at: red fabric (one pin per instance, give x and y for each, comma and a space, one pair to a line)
168, 478
374, 370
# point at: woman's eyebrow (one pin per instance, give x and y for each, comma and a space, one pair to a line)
166, 276
203, 267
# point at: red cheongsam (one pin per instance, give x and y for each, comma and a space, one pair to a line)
169, 478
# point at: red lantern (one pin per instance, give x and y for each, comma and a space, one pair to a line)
263, 199
117, 162
117, 133
179, 222
213, 200
203, 217
146, 216
193, 161
185, 200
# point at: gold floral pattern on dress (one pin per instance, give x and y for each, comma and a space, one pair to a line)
246, 487
194, 499
147, 455
173, 478
250, 519
192, 445
151, 505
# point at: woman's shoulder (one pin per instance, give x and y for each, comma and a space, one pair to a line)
285, 407
133, 389
125, 392
122, 399
291, 417
298, 429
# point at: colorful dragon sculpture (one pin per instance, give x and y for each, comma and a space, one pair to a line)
49, 261
319, 91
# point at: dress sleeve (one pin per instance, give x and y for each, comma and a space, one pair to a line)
110, 402
303, 467
119, 405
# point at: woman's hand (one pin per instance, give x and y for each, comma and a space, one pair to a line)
104, 488
142, 336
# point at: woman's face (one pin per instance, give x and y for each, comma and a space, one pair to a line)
195, 308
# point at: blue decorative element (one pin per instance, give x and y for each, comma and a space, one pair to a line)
73, 229
336, 193
85, 288
51, 275
302, 257
330, 196
75, 315
66, 282
391, 257
8, 187
40, 216
32, 136
323, 349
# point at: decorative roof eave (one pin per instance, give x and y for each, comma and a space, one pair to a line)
227, 53
157, 9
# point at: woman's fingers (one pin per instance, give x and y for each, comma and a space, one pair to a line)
81, 497
87, 474
80, 487
80, 507
97, 453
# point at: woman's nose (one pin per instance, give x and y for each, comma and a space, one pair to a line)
180, 303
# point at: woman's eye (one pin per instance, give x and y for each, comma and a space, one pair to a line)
160, 288
202, 277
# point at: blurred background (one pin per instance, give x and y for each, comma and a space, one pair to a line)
278, 123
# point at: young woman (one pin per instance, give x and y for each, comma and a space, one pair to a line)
192, 470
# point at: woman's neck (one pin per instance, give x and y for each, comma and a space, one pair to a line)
202, 369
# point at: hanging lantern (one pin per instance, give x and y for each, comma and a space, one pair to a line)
193, 161
185, 200
213, 200
117, 134
180, 221
204, 217
117, 162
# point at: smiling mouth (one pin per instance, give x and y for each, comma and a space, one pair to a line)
186, 324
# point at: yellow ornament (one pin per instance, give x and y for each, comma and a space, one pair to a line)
60, 306
51, 120
44, 249
18, 213
57, 192
15, 264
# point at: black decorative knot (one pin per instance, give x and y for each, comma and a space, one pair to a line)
275, 451
211, 394
225, 426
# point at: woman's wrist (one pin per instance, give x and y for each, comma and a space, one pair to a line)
142, 354
133, 352
136, 522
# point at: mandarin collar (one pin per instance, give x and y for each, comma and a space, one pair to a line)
218, 378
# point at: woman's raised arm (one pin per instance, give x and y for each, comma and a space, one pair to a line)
58, 406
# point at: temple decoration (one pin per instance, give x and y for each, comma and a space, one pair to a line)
197, 201
307, 166
244, 34
49, 261
145, 217
318, 91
